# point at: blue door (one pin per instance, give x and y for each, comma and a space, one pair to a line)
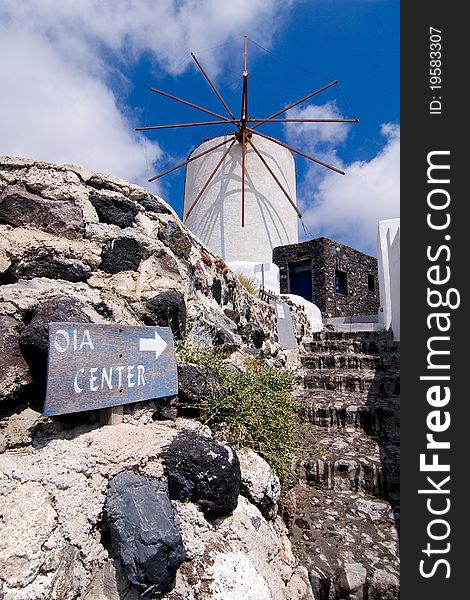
300, 279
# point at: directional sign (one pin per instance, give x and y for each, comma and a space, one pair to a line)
95, 366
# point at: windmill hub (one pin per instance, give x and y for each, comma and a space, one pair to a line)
242, 135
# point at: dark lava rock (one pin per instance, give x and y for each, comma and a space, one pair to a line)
203, 471
223, 336
113, 210
197, 385
14, 370
217, 291
143, 533
168, 309
165, 409
176, 239
257, 335
153, 205
46, 263
34, 337
122, 254
19, 208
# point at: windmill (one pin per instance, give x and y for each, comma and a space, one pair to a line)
245, 140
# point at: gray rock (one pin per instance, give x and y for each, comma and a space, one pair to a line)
14, 370
168, 309
165, 409
113, 209
143, 532
203, 471
149, 202
166, 264
19, 208
34, 337
28, 519
384, 586
121, 254
259, 484
175, 238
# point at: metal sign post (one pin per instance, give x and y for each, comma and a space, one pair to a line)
95, 366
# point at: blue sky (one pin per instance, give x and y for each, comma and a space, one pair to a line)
76, 78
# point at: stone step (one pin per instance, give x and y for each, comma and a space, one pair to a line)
375, 382
377, 336
348, 461
353, 361
348, 542
350, 410
343, 346
350, 345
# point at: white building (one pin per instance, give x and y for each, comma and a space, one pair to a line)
388, 246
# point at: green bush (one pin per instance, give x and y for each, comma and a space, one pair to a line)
255, 410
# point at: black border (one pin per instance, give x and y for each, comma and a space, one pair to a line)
421, 133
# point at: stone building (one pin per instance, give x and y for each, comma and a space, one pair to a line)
340, 280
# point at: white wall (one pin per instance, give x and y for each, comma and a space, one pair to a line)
388, 242
270, 220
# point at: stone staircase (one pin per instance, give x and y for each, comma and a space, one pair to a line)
347, 463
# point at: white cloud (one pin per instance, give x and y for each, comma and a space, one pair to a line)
348, 208
58, 59
53, 111
316, 134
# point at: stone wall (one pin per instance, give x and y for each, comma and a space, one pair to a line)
79, 246
326, 257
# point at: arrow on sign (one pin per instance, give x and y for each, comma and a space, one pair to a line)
156, 344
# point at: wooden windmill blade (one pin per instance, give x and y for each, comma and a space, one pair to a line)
245, 128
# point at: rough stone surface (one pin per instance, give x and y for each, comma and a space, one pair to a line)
347, 498
257, 335
228, 563
154, 271
143, 532
28, 519
55, 489
14, 371
149, 202
168, 309
34, 337
53, 494
258, 483
203, 471
113, 208
47, 263
122, 254
174, 237
19, 207
197, 384
17, 430
56, 471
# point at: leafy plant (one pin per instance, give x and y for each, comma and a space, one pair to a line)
251, 284
255, 408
